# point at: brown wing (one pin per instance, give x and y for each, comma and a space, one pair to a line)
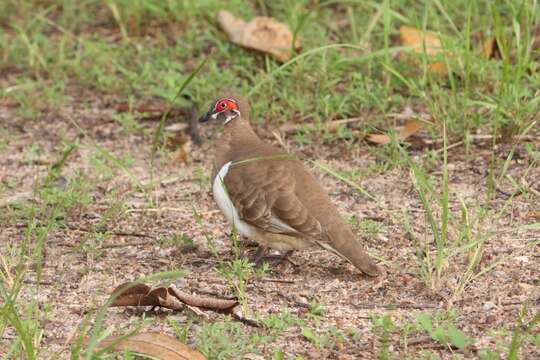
263, 192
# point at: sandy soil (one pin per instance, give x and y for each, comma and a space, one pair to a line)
80, 269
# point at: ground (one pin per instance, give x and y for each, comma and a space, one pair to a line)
84, 260
100, 184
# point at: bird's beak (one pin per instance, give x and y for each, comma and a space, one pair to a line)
209, 115
205, 117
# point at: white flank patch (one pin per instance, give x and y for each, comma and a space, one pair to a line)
226, 206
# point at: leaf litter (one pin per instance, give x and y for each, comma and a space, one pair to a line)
156, 345
262, 33
136, 294
79, 275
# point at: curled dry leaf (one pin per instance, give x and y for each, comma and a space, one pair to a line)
203, 301
490, 49
156, 345
411, 127
131, 294
261, 33
424, 42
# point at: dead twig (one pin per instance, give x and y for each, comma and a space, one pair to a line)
237, 315
203, 301
396, 306
34, 282
126, 244
481, 138
278, 280
429, 342
106, 231
198, 311
419, 340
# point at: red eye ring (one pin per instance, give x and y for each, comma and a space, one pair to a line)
225, 104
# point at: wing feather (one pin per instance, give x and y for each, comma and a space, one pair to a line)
263, 193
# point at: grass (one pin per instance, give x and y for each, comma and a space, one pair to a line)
63, 55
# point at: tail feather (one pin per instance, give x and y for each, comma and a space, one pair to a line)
348, 247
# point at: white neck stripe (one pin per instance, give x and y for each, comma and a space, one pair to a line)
232, 116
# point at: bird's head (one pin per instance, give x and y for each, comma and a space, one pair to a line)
225, 109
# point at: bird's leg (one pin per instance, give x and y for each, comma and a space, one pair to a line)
281, 257
259, 255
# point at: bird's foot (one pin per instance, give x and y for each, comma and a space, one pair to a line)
261, 256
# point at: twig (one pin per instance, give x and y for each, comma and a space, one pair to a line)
237, 315
432, 344
479, 138
419, 340
278, 280
198, 311
105, 231
396, 306
170, 209
134, 243
33, 282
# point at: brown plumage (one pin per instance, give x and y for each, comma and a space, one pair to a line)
276, 194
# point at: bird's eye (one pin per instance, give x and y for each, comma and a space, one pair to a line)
223, 105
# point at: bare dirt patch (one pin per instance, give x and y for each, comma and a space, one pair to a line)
95, 251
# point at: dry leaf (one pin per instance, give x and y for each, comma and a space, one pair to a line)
203, 301
424, 42
181, 155
490, 49
261, 33
142, 295
159, 346
181, 144
411, 127
533, 215
130, 294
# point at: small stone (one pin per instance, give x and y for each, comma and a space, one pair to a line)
488, 305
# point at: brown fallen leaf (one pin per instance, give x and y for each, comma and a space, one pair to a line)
130, 294
490, 49
533, 215
261, 33
203, 301
423, 42
411, 127
181, 144
159, 346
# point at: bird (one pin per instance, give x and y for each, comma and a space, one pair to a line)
270, 196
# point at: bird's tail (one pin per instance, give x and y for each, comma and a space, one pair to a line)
345, 244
